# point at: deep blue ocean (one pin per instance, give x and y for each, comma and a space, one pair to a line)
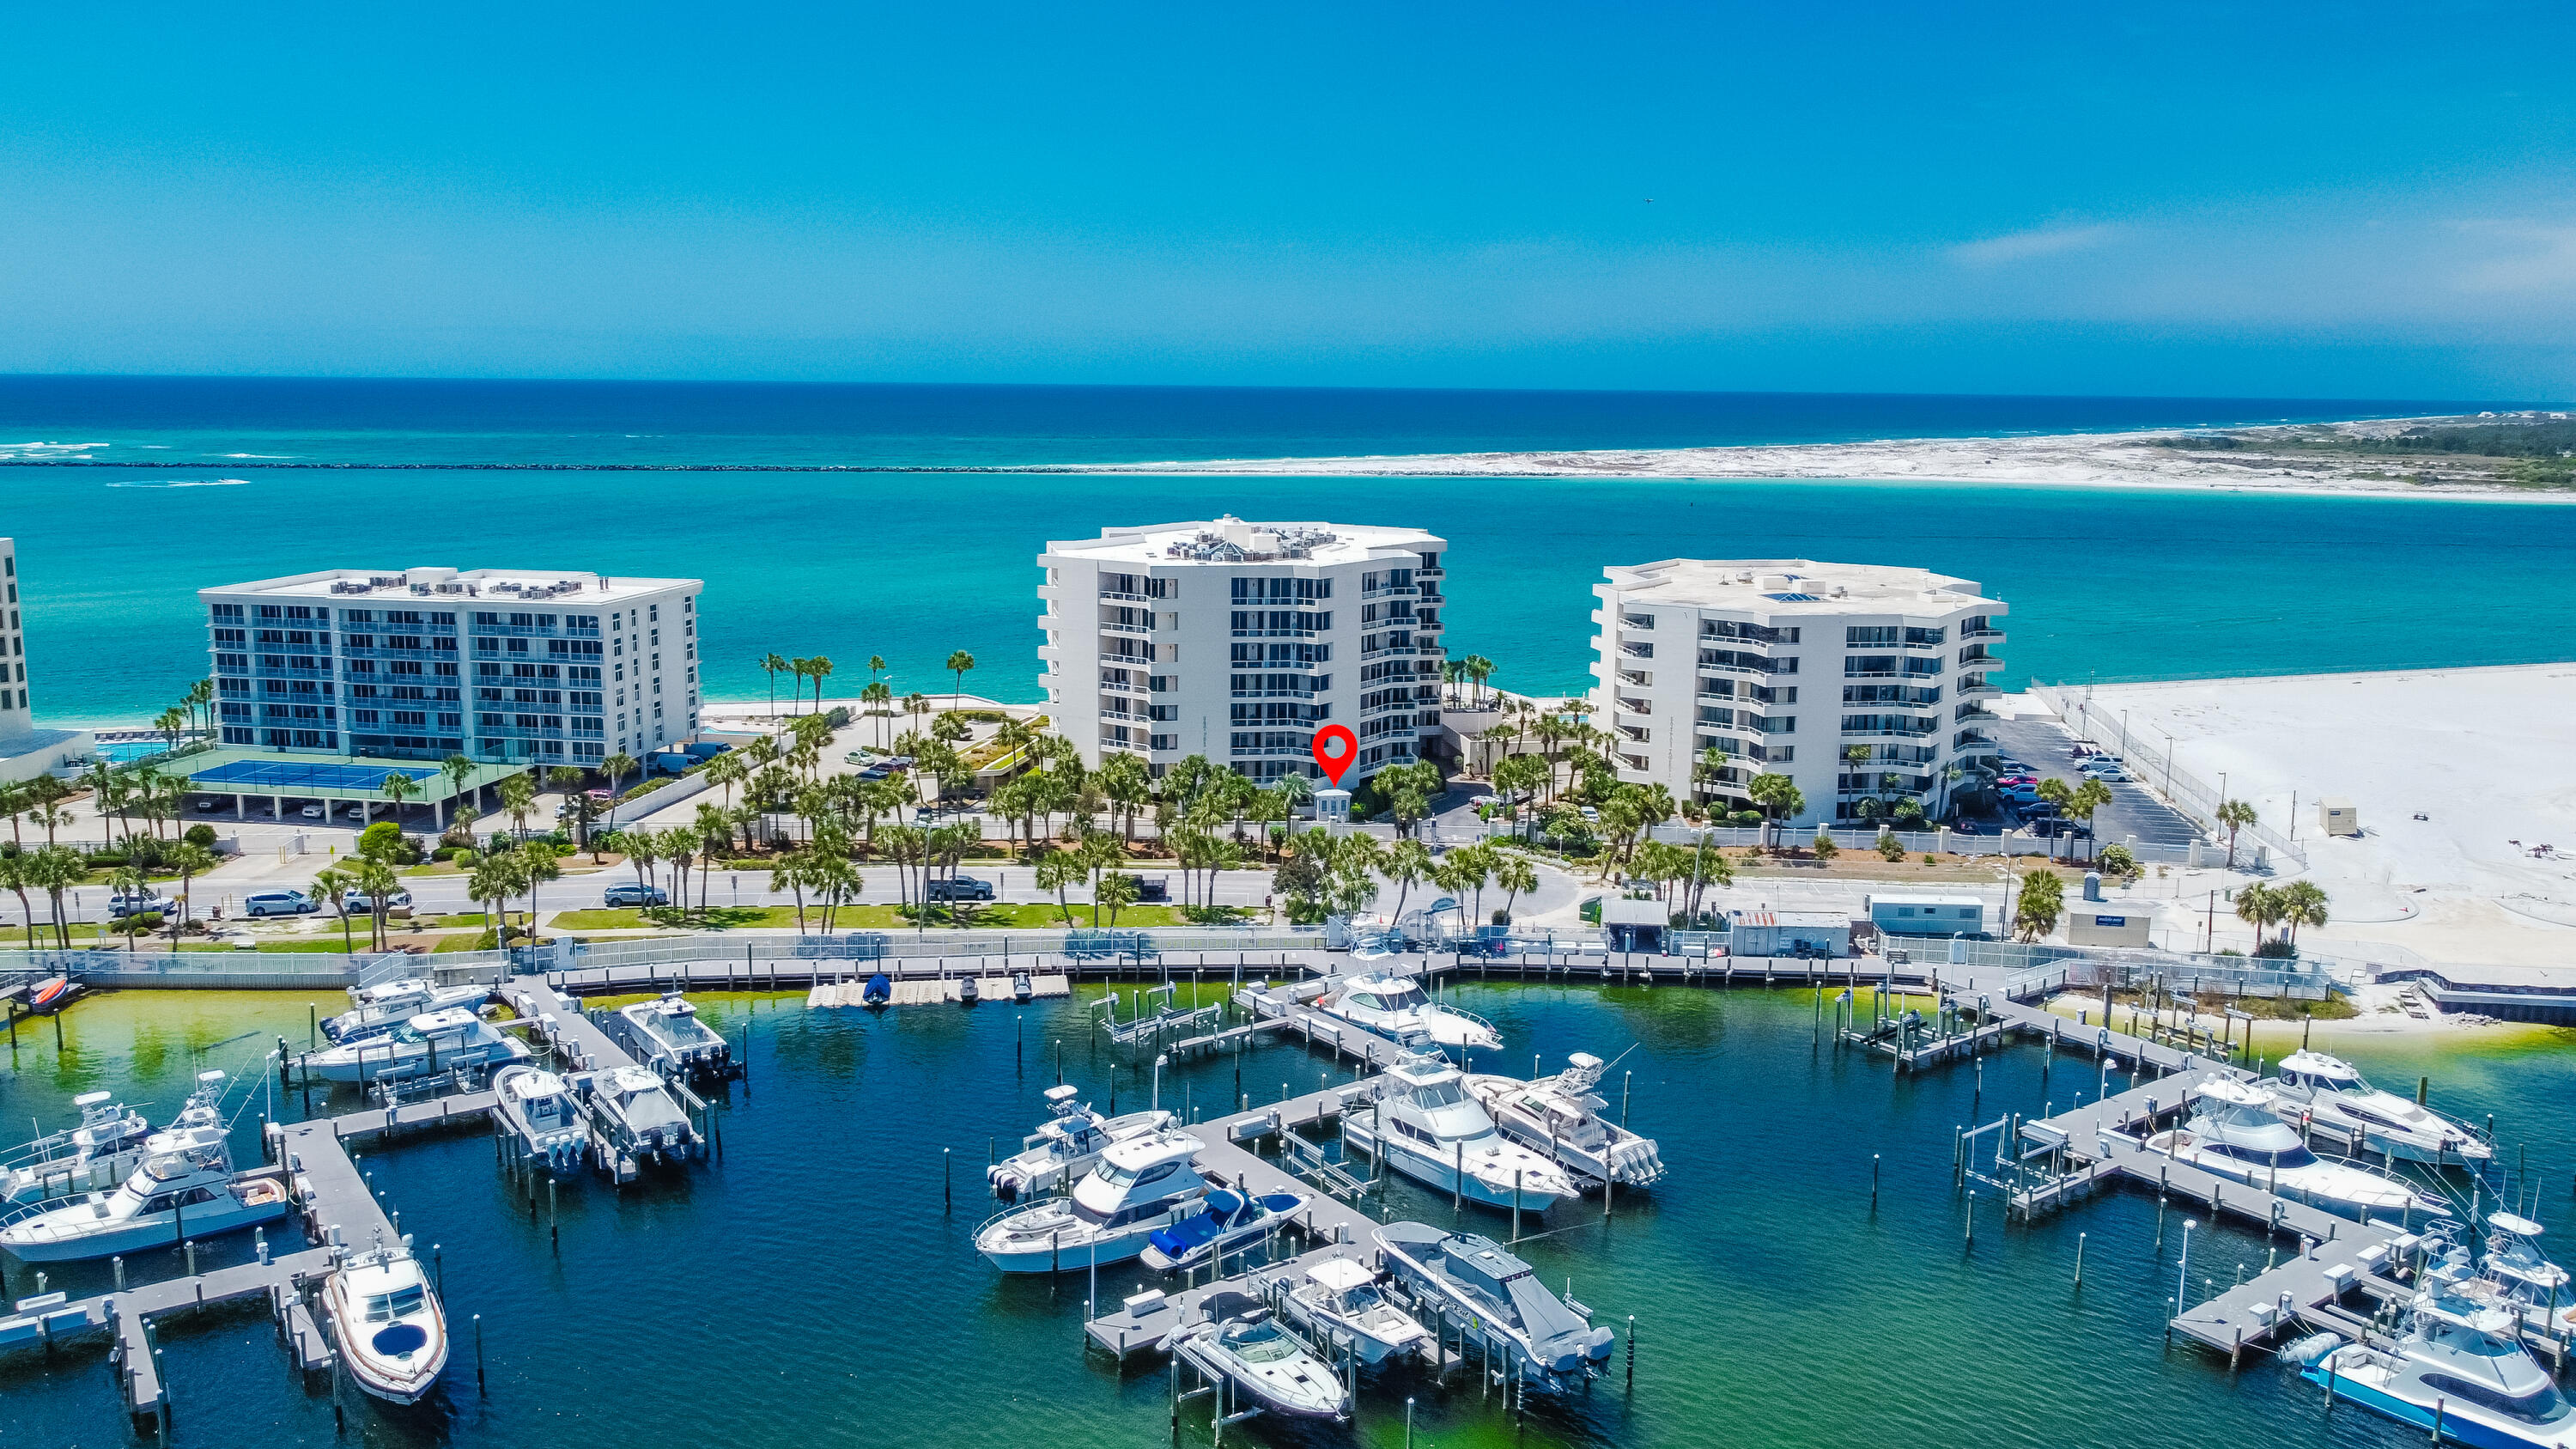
187, 483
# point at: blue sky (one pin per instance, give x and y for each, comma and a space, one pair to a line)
2356, 200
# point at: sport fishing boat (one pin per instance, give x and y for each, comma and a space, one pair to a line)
641, 1119
1240, 1343
1137, 1186
387, 1323
1341, 1297
185, 1188
669, 1038
2234, 1132
1397, 1008
2459, 1370
432, 1042
2515, 1264
375, 1010
106, 1147
1066, 1145
2332, 1093
1226, 1220
1561, 1116
1436, 1133
539, 1108
1549, 1341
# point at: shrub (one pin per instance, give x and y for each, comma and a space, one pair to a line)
1928, 859
838, 716
1824, 845
202, 836
2117, 860
1890, 849
107, 859
147, 922
646, 788
2276, 949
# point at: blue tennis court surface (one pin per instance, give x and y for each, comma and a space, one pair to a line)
274, 777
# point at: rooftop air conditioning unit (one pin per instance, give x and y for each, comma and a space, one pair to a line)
1776, 583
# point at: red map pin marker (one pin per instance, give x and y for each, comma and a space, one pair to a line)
1335, 748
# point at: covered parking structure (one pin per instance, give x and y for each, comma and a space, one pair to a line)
337, 779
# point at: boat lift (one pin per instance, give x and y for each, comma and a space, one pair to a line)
1167, 1019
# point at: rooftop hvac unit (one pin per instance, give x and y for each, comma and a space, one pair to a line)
451, 587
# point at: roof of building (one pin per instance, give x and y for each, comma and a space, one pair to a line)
1876, 899
1796, 586
486, 585
1230, 540
1795, 920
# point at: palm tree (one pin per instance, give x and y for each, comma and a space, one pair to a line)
201, 696
171, 723
129, 880
1115, 891
493, 880
959, 661
821, 668
1479, 669
620, 765
1058, 870
51, 816
400, 787
54, 870
375, 880
728, 770
518, 798
2303, 903
17, 873
1515, 874
190, 860
2259, 906
15, 798
2234, 815
643, 851
1407, 862
458, 769
539, 866
771, 664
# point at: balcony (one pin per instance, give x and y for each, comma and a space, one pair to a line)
1124, 597
1388, 591
1270, 694
1638, 651
1273, 633
1967, 634
1140, 631
520, 630
1895, 732
519, 732
1120, 716
1431, 573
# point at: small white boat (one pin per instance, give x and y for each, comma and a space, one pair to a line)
1397, 1008
2459, 1371
386, 1320
1066, 1145
643, 1121
1137, 1186
2312, 1086
375, 1010
1241, 1343
1226, 1221
1549, 1341
2234, 1132
1341, 1297
1022, 988
185, 1189
105, 1148
966, 990
427, 1044
1436, 1133
669, 1038
540, 1111
1561, 1117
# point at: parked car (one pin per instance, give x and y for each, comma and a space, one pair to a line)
2105, 772
357, 903
121, 906
1155, 888
633, 894
1966, 827
859, 757
2011, 762
960, 888
2051, 827
355, 812
280, 903
312, 812
2010, 781
213, 805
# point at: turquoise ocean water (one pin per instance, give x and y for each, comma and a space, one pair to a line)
195, 483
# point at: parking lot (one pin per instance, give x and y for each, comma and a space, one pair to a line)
2045, 746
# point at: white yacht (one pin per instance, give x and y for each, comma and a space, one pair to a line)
2332, 1092
1549, 1341
539, 1108
669, 1038
2459, 1370
2525, 1276
104, 1148
1239, 1342
1397, 1008
1138, 1185
386, 1320
1436, 1133
2234, 1132
432, 1042
642, 1119
1066, 1144
185, 1188
1226, 1221
1340, 1297
375, 1010
1561, 1116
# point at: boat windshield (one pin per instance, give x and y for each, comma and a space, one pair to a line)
1259, 1343
2260, 1156
1405, 998
1438, 1094
401, 1303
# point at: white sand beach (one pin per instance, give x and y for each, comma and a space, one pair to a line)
2160, 459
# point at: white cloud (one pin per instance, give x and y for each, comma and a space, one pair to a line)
2542, 258
2021, 246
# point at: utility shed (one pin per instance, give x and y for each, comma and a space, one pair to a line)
1788, 933
1927, 915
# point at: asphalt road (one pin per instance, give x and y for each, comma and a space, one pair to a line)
2045, 746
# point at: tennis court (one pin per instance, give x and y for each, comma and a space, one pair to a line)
300, 777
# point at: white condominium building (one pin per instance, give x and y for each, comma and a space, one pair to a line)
1239, 640
504, 666
15, 720
1859, 682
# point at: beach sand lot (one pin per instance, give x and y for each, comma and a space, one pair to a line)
2483, 755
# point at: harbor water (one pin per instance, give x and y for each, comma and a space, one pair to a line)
817, 1288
